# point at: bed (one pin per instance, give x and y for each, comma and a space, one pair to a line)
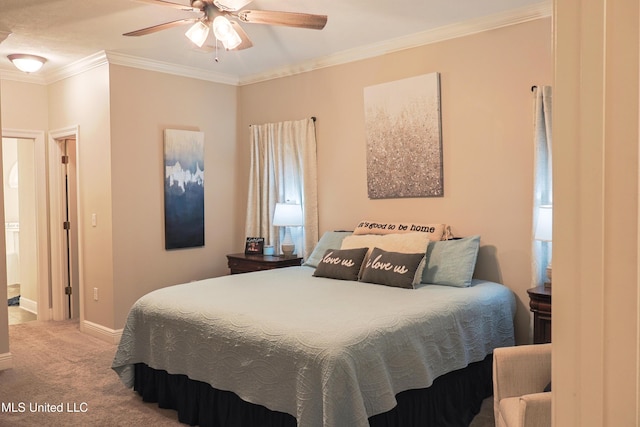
290, 347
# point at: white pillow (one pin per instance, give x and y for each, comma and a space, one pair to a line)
406, 243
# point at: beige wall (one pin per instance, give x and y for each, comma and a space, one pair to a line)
23, 106
143, 104
83, 100
122, 112
596, 290
487, 111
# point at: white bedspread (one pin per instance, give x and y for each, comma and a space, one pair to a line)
329, 352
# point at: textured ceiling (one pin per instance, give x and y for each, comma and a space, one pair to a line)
65, 31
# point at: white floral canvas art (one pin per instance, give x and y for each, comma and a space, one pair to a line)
403, 137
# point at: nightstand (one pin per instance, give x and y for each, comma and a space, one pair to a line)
243, 263
540, 305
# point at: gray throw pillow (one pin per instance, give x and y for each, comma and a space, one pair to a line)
393, 268
342, 264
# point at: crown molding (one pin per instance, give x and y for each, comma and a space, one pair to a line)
103, 57
165, 67
20, 76
78, 67
540, 10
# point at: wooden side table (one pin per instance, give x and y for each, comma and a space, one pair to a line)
243, 263
540, 305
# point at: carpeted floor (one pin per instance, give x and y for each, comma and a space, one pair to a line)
56, 364
57, 367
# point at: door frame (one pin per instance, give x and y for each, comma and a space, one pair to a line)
42, 225
56, 219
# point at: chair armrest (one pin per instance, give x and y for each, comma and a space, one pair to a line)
520, 370
536, 410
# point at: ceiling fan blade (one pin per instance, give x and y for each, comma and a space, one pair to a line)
246, 42
160, 27
288, 19
170, 4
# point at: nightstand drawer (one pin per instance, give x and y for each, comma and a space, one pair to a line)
243, 263
540, 306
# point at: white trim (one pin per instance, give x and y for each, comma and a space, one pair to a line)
447, 32
460, 29
42, 227
19, 76
6, 361
77, 67
29, 305
57, 238
103, 333
164, 67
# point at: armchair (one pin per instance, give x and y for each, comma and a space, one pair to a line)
520, 375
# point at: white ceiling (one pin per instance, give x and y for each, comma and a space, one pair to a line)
68, 31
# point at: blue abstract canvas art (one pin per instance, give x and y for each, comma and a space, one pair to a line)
183, 189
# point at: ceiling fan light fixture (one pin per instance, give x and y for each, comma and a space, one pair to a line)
231, 5
198, 33
27, 63
224, 32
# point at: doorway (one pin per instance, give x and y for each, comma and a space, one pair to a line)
21, 244
70, 227
66, 280
24, 234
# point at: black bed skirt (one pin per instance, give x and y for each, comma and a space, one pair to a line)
452, 401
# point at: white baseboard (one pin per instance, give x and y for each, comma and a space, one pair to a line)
29, 305
6, 361
111, 336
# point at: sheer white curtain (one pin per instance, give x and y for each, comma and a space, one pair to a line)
283, 169
543, 191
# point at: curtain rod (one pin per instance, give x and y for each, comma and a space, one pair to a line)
534, 87
312, 118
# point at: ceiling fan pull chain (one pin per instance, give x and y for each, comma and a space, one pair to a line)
216, 57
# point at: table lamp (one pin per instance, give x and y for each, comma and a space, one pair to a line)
544, 232
287, 215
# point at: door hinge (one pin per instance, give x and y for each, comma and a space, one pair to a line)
67, 290
65, 160
66, 225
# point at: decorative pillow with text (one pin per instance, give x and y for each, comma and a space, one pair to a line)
393, 268
342, 264
434, 231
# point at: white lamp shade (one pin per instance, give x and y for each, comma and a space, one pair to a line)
544, 225
27, 63
198, 33
225, 32
287, 215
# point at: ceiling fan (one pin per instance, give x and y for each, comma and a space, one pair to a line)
216, 14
